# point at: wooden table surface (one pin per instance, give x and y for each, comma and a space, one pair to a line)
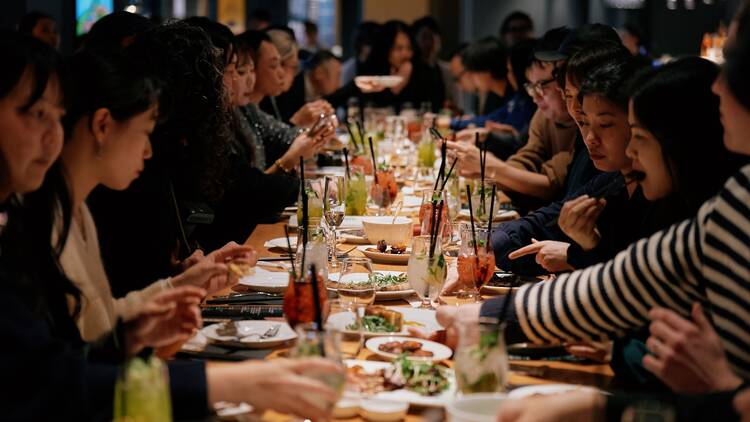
598, 375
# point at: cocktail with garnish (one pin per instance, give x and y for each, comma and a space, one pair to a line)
384, 190
475, 264
426, 270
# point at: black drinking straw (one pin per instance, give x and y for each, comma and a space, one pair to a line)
360, 129
351, 136
436, 228
482, 156
291, 255
434, 132
325, 193
316, 302
471, 219
304, 213
374, 163
492, 210
432, 222
346, 161
447, 176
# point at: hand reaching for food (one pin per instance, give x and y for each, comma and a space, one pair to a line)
550, 254
578, 220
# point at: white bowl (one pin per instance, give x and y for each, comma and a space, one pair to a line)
383, 228
346, 408
475, 407
383, 410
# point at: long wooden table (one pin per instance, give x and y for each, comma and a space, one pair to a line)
598, 375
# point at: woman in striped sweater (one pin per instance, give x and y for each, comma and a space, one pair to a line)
705, 259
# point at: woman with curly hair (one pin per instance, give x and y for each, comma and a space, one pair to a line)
190, 167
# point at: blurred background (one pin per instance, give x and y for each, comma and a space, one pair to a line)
671, 27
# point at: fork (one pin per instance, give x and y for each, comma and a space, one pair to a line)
271, 332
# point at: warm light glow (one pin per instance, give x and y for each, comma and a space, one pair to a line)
131, 8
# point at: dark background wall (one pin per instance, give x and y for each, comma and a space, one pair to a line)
671, 31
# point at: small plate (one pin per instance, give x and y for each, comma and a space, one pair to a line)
266, 281
546, 389
424, 319
439, 351
384, 258
280, 243
386, 81
353, 236
246, 328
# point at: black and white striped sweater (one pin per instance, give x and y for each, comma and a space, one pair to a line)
706, 259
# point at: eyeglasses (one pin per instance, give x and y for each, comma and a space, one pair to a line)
538, 87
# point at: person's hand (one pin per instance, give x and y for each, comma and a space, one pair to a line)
593, 350
580, 406
302, 146
741, 404
234, 252
470, 134
404, 71
500, 128
578, 220
206, 274
687, 355
449, 317
550, 254
194, 258
468, 158
281, 384
309, 113
169, 316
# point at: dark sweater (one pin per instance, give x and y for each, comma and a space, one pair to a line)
288, 102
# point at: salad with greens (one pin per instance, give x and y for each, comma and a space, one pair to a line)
382, 281
426, 379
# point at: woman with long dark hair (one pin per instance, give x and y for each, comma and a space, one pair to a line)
49, 372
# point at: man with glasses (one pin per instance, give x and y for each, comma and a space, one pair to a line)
536, 174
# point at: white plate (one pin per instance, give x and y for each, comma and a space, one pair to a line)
387, 81
350, 221
379, 295
266, 281
385, 258
406, 396
546, 389
439, 351
354, 239
424, 319
280, 243
247, 328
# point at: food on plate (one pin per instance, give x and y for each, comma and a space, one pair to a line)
511, 280
383, 282
390, 282
426, 379
379, 319
382, 247
240, 269
408, 348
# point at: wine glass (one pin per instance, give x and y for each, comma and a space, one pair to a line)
427, 269
475, 265
334, 210
355, 283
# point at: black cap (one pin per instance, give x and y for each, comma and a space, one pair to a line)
550, 42
575, 40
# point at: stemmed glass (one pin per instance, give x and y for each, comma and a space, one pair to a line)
355, 283
334, 210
